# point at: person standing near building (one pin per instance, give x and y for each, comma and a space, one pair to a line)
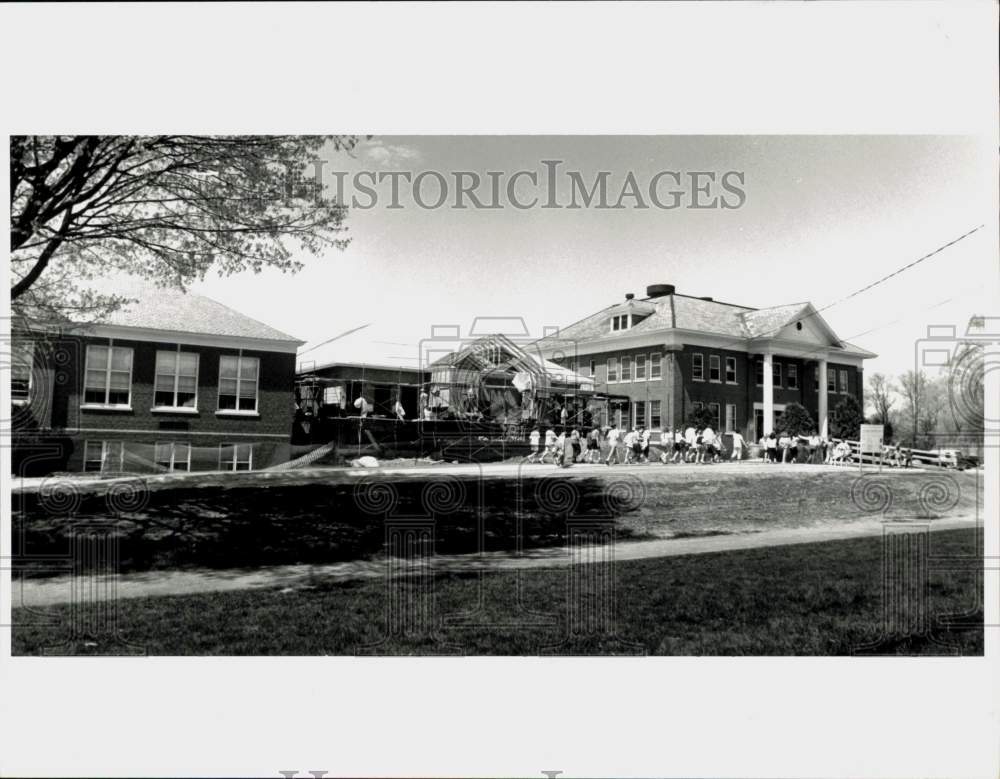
738, 443
560, 448
594, 446
771, 445
550, 445
815, 448
399, 411
563, 416
534, 441
707, 448
645, 435
784, 444
678, 446
613, 435
630, 442
690, 444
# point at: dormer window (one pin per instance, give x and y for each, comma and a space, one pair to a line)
620, 322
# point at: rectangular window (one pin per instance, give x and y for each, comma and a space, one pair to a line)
108, 375
698, 367
655, 365
776, 371
174, 456
176, 380
716, 410
793, 376
22, 363
623, 413
626, 369
236, 457
238, 383
730, 417
612, 369
758, 368
730, 370
103, 456
831, 380
619, 322
816, 379
714, 368
640, 413
843, 382
593, 367
640, 367
655, 420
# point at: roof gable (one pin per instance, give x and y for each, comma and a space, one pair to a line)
173, 309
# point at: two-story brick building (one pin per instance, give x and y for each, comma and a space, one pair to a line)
670, 353
174, 382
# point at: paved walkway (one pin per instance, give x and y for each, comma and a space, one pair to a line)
48, 592
90, 483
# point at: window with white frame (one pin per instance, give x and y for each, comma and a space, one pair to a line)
620, 322
639, 418
831, 380
593, 368
716, 411
843, 381
640, 367
655, 419
793, 376
612, 369
730, 370
176, 380
714, 368
758, 368
103, 456
626, 369
698, 367
730, 417
655, 365
108, 376
173, 456
238, 383
236, 457
22, 362
776, 372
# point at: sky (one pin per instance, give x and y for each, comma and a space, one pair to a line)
823, 217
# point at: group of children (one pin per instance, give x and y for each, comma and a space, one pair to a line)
573, 446
700, 445
628, 445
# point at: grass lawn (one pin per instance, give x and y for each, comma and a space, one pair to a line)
807, 599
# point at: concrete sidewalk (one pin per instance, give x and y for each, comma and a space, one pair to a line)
47, 592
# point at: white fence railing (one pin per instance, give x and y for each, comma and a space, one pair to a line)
942, 458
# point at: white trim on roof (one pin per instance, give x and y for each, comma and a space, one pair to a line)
183, 338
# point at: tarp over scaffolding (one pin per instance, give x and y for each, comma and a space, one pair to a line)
495, 377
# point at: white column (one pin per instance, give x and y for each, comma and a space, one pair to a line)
768, 394
823, 413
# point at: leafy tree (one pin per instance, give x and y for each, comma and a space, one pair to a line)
162, 207
701, 416
880, 390
913, 385
796, 420
847, 419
